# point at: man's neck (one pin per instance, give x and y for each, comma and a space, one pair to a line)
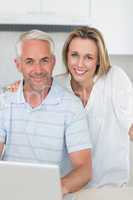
34, 97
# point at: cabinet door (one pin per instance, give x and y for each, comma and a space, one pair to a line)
66, 12
115, 20
15, 11
18, 7
60, 12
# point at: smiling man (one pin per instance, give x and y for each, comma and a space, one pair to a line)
41, 120
36, 63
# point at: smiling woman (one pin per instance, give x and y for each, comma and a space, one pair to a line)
107, 95
82, 59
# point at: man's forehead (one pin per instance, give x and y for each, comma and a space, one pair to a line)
35, 45
35, 48
33, 58
35, 41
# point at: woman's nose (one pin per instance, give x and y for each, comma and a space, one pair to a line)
80, 62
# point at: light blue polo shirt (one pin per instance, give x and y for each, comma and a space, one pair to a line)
44, 133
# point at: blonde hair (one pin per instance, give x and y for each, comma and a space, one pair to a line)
34, 35
95, 35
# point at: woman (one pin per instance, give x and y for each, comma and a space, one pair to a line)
106, 94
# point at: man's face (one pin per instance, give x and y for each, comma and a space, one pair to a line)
36, 64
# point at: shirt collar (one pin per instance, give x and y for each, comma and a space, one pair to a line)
55, 94
53, 97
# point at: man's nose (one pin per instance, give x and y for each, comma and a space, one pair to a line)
38, 68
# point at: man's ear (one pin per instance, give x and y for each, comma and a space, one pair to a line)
18, 64
53, 60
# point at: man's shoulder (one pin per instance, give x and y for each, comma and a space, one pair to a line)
64, 92
63, 79
6, 98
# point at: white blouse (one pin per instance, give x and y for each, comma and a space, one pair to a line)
110, 114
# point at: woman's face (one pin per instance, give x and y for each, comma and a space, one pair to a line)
82, 59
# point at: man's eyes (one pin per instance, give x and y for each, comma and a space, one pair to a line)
44, 61
29, 62
34, 62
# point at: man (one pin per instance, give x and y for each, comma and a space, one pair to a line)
41, 121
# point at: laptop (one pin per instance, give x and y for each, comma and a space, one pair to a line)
22, 181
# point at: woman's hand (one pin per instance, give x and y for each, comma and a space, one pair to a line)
131, 132
13, 87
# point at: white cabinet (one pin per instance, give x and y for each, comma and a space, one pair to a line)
115, 20
114, 17
55, 12
17, 12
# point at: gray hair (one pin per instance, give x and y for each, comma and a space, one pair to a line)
34, 35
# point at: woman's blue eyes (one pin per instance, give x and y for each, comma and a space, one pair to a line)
74, 55
86, 57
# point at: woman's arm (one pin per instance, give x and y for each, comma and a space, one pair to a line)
13, 87
131, 132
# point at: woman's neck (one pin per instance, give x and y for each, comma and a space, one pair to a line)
82, 90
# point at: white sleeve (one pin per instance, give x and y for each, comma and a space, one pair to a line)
122, 98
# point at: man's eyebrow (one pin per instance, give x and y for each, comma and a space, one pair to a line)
28, 58
46, 57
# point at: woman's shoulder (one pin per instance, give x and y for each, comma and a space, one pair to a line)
122, 95
118, 72
117, 77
